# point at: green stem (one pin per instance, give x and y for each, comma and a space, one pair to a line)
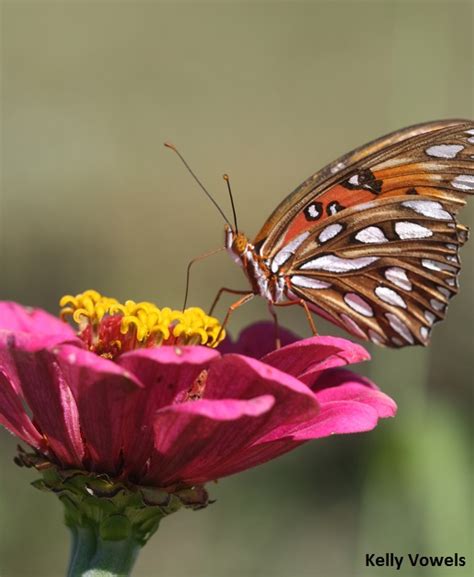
82, 550
93, 556
113, 558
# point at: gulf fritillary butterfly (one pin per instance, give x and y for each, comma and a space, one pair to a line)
371, 241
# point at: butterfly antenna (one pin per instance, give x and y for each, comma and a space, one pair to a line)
227, 180
206, 192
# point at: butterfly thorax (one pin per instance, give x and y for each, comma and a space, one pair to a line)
262, 280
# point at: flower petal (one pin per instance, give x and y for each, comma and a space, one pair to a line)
247, 458
15, 317
240, 377
13, 415
306, 358
190, 436
349, 404
343, 385
338, 418
104, 393
27, 342
46, 392
167, 371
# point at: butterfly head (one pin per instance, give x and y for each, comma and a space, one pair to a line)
236, 243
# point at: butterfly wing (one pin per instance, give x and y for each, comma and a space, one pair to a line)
433, 159
384, 272
373, 246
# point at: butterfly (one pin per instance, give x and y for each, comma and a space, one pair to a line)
370, 242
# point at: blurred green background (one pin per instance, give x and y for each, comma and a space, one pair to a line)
267, 92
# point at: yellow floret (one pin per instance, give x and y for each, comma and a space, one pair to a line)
191, 326
89, 304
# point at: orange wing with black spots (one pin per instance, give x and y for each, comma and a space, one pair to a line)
433, 160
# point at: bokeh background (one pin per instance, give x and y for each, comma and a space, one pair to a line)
267, 92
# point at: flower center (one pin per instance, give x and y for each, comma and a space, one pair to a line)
110, 328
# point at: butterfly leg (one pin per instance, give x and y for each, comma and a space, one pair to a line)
245, 299
276, 325
225, 290
302, 303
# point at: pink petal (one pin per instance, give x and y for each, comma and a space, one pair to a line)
46, 392
167, 371
15, 317
247, 458
349, 404
343, 385
103, 393
338, 418
305, 359
13, 415
221, 410
239, 377
191, 436
27, 342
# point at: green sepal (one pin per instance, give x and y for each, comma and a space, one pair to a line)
114, 509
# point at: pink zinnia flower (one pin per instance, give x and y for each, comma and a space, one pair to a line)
114, 413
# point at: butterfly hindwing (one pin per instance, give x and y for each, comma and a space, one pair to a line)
385, 272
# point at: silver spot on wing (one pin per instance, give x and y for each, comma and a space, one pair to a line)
371, 235
411, 230
288, 251
330, 232
398, 277
400, 327
463, 182
444, 150
429, 208
333, 263
309, 282
389, 296
358, 304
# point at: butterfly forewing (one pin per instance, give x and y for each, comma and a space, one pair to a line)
371, 241
418, 160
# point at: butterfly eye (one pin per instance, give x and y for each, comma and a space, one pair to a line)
240, 243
